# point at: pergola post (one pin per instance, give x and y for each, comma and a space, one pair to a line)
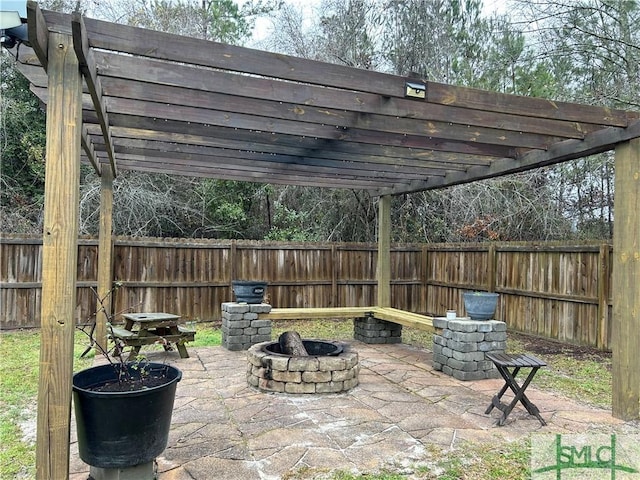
59, 258
105, 259
384, 251
625, 335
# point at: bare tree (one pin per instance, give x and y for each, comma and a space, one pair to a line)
596, 44
291, 34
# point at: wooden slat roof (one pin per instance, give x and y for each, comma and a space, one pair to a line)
158, 102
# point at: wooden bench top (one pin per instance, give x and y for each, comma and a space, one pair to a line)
310, 313
389, 314
408, 319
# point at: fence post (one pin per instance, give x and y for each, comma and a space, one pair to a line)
491, 267
424, 279
334, 277
603, 297
233, 253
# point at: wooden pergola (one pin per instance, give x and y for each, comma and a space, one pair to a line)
125, 98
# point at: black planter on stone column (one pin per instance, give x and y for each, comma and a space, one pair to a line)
249, 291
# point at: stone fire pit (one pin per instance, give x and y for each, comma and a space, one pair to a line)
330, 367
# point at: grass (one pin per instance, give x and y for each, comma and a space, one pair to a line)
19, 356
208, 334
469, 461
321, 328
19, 360
584, 377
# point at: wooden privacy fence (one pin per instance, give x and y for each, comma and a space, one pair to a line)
558, 291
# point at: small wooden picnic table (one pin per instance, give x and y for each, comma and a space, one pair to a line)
149, 328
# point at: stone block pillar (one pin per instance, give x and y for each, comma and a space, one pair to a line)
372, 330
240, 325
461, 347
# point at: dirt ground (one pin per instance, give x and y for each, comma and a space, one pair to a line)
544, 347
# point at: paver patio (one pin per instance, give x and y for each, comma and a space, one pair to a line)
224, 429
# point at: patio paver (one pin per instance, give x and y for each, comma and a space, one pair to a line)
224, 429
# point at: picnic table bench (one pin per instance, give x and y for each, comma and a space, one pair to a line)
149, 328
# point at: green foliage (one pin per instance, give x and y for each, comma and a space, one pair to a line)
587, 380
598, 45
319, 328
582, 50
289, 225
233, 208
315, 214
585, 194
453, 469
22, 137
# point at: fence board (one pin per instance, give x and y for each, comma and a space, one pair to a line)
556, 290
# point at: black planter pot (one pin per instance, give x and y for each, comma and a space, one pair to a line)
248, 291
123, 429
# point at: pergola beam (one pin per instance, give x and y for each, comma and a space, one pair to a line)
89, 150
596, 142
127, 162
303, 118
183, 50
38, 33
88, 68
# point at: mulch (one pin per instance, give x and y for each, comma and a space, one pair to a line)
545, 347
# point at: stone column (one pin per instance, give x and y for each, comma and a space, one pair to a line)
372, 330
240, 325
461, 347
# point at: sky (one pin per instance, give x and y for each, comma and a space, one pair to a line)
263, 25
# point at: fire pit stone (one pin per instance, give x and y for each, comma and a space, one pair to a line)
270, 371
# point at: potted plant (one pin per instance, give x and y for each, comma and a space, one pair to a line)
123, 409
480, 305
